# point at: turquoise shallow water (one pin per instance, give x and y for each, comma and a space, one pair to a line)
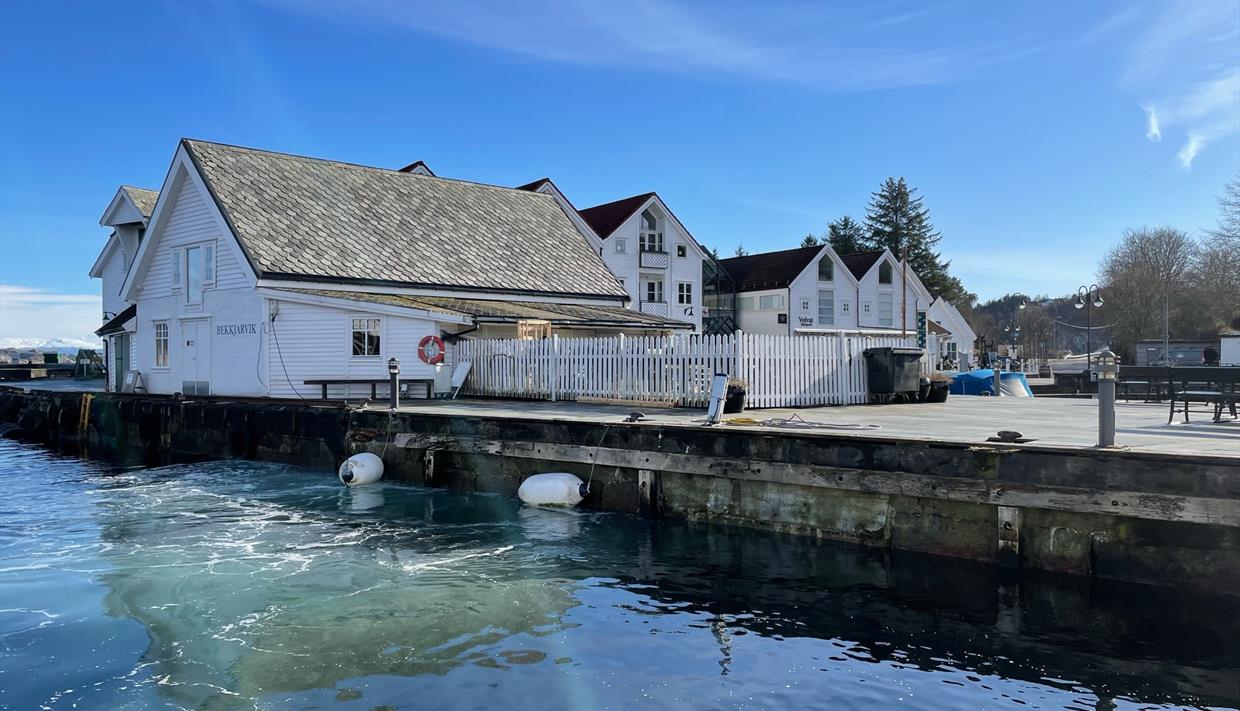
239, 585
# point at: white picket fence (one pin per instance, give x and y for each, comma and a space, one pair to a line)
780, 371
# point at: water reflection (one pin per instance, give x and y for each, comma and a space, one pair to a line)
260, 585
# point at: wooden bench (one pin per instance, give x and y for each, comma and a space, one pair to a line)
1213, 385
1152, 379
374, 384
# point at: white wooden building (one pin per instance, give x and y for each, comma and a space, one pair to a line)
958, 343
256, 271
656, 259
127, 215
813, 290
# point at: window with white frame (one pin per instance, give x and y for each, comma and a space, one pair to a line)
682, 251
826, 307
844, 306
193, 269
684, 292
744, 303
805, 304
365, 336
651, 237
161, 344
884, 272
622, 245
654, 291
952, 349
826, 269
884, 310
770, 302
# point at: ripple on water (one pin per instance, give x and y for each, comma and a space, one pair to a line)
239, 585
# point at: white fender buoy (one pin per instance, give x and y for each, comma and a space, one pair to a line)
553, 489
364, 468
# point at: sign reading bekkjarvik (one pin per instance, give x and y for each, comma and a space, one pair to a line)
237, 329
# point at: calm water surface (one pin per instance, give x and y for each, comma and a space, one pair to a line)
241, 585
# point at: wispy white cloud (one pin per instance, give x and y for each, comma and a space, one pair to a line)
838, 47
30, 313
1152, 131
1190, 150
1185, 61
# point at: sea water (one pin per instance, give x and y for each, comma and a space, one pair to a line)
238, 585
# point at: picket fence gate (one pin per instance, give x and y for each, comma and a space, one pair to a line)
779, 371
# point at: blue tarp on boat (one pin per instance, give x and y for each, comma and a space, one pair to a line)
982, 382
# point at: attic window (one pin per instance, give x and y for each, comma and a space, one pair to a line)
826, 269
681, 251
884, 273
651, 237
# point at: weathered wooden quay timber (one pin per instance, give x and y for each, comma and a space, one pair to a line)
1168, 518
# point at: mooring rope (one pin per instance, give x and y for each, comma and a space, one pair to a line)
594, 457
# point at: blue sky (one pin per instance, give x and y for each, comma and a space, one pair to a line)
1036, 132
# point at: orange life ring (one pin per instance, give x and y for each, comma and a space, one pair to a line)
431, 349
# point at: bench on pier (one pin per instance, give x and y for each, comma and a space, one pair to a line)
1217, 386
374, 384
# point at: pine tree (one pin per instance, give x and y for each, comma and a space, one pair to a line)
897, 220
810, 240
846, 235
741, 251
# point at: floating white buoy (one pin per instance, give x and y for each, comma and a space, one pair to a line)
364, 468
553, 489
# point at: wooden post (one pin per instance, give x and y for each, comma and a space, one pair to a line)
648, 492
428, 467
1009, 537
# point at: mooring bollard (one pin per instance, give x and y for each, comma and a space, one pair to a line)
394, 381
1106, 368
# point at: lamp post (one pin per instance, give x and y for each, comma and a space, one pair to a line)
1084, 301
1013, 327
394, 381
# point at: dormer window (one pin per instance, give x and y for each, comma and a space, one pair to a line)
826, 269
884, 273
651, 237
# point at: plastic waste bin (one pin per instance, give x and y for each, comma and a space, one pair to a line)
893, 370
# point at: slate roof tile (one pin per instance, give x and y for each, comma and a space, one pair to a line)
321, 219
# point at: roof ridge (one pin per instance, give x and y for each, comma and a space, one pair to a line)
623, 199
346, 164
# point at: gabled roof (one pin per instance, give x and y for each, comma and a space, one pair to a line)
769, 270
129, 206
859, 263
318, 220
605, 218
534, 185
418, 167
142, 198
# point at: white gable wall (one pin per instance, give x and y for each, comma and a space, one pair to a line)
218, 341
113, 277
626, 265
806, 286
870, 288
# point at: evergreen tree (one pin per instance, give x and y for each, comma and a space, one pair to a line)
810, 240
846, 235
897, 220
741, 251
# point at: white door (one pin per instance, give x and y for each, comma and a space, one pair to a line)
196, 357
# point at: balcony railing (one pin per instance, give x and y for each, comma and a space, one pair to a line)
655, 308
655, 260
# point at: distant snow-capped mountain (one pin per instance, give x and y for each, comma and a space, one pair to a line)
60, 345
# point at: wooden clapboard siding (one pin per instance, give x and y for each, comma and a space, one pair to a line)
780, 371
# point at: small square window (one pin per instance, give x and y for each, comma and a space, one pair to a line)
621, 246
682, 251
805, 304
782, 318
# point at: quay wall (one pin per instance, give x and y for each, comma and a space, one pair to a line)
1168, 520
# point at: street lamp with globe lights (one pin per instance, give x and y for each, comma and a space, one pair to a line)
1087, 297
